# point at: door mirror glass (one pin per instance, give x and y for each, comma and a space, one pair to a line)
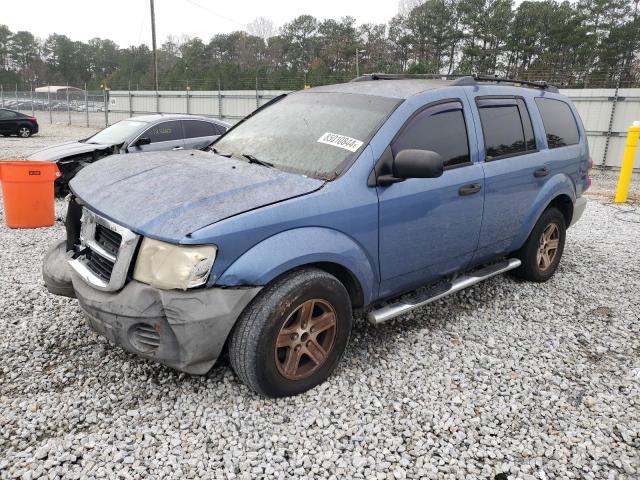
143, 141
412, 163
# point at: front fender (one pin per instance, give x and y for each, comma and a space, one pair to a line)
559, 184
301, 246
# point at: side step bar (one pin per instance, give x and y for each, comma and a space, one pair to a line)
393, 310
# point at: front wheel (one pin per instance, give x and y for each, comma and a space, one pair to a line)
542, 251
292, 336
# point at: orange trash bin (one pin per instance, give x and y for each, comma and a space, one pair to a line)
27, 192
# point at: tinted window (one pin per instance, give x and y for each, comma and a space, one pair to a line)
506, 126
559, 123
441, 129
6, 114
165, 131
194, 128
529, 138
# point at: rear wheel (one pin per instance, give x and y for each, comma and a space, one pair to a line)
542, 251
292, 336
24, 132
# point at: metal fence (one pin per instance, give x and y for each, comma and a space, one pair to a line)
229, 105
606, 112
77, 107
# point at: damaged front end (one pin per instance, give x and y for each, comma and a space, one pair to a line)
184, 329
71, 165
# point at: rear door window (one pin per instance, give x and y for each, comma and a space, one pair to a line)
440, 128
559, 122
165, 132
196, 128
506, 126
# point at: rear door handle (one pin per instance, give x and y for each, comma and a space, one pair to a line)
469, 189
177, 148
541, 172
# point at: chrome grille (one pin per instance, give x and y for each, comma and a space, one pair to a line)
108, 239
99, 265
108, 250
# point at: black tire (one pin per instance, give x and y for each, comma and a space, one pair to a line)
535, 268
253, 351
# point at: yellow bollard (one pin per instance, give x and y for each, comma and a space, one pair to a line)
627, 163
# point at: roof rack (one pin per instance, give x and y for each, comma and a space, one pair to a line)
404, 76
470, 80
459, 80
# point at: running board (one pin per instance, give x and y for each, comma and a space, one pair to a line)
393, 310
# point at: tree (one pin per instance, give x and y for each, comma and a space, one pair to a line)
261, 27
24, 51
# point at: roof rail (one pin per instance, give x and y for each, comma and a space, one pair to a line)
459, 79
470, 80
403, 76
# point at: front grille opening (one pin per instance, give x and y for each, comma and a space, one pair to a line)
144, 337
99, 266
108, 239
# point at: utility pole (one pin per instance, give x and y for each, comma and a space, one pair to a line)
153, 44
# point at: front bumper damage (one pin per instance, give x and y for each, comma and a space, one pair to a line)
185, 330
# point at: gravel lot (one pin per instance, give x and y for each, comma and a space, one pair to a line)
534, 381
17, 148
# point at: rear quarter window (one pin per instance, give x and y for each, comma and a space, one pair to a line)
559, 123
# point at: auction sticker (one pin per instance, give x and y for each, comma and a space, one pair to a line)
340, 141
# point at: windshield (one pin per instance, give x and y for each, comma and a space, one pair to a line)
310, 133
117, 133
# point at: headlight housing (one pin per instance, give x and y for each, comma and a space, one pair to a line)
169, 266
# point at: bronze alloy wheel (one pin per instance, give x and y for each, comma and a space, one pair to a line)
306, 339
548, 246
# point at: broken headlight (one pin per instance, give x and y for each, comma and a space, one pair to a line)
169, 266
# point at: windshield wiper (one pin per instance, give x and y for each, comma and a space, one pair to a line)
222, 154
253, 159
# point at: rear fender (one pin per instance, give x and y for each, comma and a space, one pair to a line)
301, 246
559, 184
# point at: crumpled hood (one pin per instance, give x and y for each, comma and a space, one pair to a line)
167, 195
56, 152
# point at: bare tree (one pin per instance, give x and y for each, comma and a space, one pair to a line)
405, 6
261, 27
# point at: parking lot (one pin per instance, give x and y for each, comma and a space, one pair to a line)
532, 380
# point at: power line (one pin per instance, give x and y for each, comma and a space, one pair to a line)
206, 9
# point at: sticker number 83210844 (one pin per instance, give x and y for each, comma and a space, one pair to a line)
340, 141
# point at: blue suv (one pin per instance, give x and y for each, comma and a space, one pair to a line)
381, 194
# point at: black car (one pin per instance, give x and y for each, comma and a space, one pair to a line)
16, 123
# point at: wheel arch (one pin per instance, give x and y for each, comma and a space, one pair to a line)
559, 192
326, 249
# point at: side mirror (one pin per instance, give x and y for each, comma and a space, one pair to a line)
417, 164
143, 141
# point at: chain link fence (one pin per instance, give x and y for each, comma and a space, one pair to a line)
70, 106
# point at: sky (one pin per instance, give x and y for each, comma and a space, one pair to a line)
127, 21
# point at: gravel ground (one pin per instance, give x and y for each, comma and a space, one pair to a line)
17, 148
529, 380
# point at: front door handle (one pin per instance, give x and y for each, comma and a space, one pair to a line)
178, 148
469, 189
541, 172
